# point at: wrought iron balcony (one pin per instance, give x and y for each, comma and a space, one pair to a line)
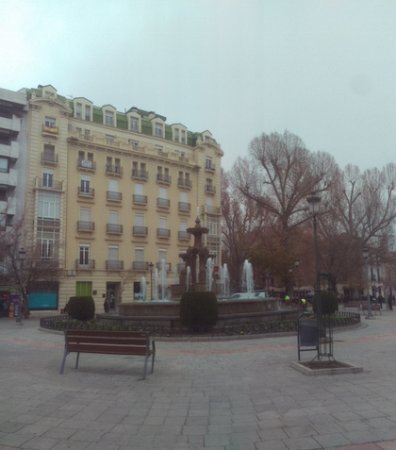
163, 203
86, 164
139, 230
114, 265
184, 207
114, 228
139, 199
85, 226
184, 183
140, 174
140, 266
49, 159
86, 193
113, 170
163, 233
113, 196
85, 265
164, 179
183, 236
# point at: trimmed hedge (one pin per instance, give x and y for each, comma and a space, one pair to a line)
81, 308
198, 310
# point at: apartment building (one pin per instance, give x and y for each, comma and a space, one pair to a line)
12, 156
110, 195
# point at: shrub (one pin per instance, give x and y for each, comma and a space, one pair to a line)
198, 310
81, 308
329, 302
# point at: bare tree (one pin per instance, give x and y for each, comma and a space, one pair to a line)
22, 265
361, 213
279, 175
242, 227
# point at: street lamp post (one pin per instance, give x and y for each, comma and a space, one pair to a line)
314, 200
21, 255
151, 266
365, 259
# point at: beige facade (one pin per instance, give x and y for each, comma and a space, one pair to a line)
108, 193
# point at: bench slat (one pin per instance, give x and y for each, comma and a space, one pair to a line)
101, 339
108, 349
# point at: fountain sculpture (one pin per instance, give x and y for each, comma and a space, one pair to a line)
195, 258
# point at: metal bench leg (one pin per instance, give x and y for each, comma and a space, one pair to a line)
152, 358
77, 359
63, 362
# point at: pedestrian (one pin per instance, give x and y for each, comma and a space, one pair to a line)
390, 301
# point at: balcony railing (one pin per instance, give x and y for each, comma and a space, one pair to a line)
139, 230
163, 203
47, 222
88, 265
183, 236
114, 196
164, 179
140, 174
51, 159
210, 209
184, 183
86, 193
53, 185
168, 266
139, 199
209, 189
85, 226
86, 164
115, 171
210, 168
114, 265
184, 207
53, 131
114, 228
163, 233
140, 266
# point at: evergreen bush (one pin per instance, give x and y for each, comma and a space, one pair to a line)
81, 308
198, 310
329, 302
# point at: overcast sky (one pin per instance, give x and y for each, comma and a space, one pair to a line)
322, 69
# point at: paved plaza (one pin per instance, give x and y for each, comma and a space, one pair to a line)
223, 394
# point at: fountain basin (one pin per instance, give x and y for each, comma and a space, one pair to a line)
230, 312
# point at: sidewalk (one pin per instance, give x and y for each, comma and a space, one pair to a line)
232, 394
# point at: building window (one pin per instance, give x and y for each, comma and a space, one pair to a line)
78, 110
177, 134
84, 255
87, 112
109, 118
50, 122
48, 179
158, 129
47, 249
208, 164
134, 124
4, 165
85, 184
183, 139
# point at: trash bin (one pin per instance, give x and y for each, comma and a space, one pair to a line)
308, 333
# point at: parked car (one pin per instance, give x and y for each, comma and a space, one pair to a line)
248, 296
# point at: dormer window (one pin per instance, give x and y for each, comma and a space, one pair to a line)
134, 124
88, 111
78, 113
158, 129
109, 118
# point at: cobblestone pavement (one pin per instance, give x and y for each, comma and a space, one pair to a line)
230, 394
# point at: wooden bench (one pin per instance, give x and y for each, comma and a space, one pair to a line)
109, 343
